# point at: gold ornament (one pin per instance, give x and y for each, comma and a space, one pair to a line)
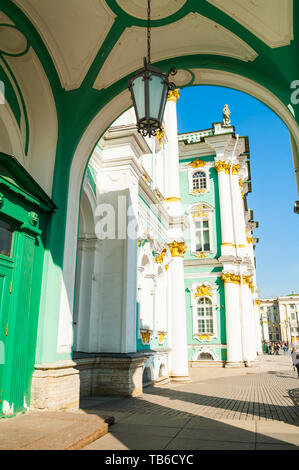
173, 95
203, 291
160, 135
197, 163
177, 249
231, 278
222, 166
160, 258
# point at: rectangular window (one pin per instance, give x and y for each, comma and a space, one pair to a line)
6, 232
202, 235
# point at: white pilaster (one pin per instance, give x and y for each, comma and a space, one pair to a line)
233, 322
178, 334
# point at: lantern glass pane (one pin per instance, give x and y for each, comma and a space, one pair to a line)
156, 87
139, 95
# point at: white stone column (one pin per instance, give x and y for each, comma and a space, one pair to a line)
259, 347
248, 323
233, 322
179, 354
178, 334
239, 220
226, 214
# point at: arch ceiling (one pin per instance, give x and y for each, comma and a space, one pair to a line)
62, 61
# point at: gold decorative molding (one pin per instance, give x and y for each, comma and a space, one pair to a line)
145, 337
160, 258
250, 240
166, 267
203, 254
160, 135
161, 338
222, 166
240, 183
231, 278
235, 169
177, 249
195, 192
203, 337
248, 280
199, 212
172, 199
197, 163
203, 291
173, 95
257, 302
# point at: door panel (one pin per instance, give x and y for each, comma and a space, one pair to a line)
5, 288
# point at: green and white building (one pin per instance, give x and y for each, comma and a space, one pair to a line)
77, 311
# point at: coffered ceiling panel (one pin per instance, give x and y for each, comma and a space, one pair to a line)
73, 31
193, 34
270, 20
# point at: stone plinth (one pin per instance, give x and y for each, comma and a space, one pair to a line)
118, 375
55, 387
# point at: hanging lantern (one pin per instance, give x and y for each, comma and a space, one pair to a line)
149, 88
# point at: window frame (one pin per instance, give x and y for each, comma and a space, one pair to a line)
201, 213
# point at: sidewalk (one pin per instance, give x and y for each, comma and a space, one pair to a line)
52, 430
239, 409
233, 409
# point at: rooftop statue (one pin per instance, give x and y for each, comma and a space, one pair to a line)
226, 115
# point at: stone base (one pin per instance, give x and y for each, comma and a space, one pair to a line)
116, 375
180, 378
254, 363
205, 364
234, 364
55, 387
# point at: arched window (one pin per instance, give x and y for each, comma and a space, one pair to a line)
199, 180
205, 322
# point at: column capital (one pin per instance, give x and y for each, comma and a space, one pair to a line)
177, 249
173, 95
221, 165
231, 278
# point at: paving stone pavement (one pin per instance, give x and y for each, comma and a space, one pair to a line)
249, 408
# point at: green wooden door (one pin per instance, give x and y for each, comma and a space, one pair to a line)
6, 273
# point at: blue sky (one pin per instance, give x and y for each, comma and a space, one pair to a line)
273, 179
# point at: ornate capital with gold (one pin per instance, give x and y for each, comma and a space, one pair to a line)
231, 278
160, 135
177, 249
160, 258
222, 166
173, 95
235, 169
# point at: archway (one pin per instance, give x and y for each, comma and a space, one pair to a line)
92, 135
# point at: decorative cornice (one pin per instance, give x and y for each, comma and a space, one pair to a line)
177, 249
173, 95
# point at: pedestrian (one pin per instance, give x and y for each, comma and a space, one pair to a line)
295, 360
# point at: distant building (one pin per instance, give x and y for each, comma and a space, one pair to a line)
280, 318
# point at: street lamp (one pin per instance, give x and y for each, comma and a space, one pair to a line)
149, 88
